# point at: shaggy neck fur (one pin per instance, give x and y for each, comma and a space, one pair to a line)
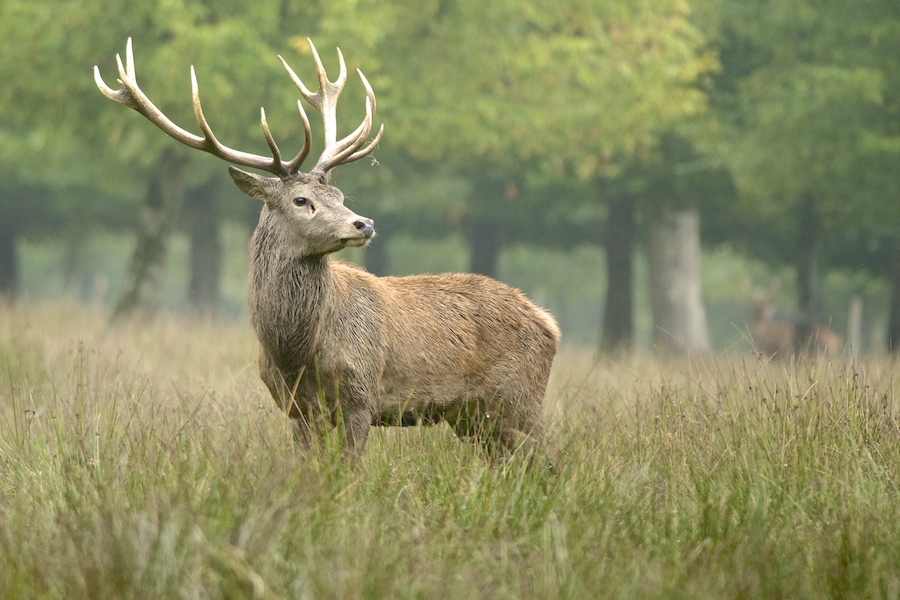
291, 296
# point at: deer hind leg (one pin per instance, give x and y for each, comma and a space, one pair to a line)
516, 425
356, 426
502, 428
518, 432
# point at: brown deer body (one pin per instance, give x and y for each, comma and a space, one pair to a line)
338, 344
777, 338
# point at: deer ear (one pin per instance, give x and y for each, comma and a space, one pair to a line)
255, 186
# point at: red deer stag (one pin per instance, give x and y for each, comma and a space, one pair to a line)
776, 338
341, 346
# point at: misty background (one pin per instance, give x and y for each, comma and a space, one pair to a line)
645, 170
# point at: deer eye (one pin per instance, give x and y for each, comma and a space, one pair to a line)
300, 201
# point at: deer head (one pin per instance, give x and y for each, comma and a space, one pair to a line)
308, 214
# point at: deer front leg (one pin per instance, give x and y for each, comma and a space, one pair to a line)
286, 391
358, 403
357, 426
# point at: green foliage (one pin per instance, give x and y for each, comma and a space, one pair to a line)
148, 461
572, 89
808, 120
569, 89
806, 105
513, 113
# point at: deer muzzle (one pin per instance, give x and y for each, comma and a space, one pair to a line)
365, 227
365, 231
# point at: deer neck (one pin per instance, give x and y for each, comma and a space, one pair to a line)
291, 296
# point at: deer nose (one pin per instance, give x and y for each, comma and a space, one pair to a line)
365, 226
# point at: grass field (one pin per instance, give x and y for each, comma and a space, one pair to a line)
147, 461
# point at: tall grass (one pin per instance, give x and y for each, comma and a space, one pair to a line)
147, 461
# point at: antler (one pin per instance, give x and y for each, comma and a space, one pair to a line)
130, 94
335, 153
325, 101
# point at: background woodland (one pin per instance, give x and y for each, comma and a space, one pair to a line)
640, 168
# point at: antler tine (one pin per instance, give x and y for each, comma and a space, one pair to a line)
370, 114
293, 166
326, 97
131, 95
367, 150
276, 153
333, 89
336, 152
347, 150
295, 163
212, 145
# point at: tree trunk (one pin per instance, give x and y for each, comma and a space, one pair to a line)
807, 273
894, 309
9, 259
618, 310
485, 248
143, 287
679, 316
855, 325
203, 224
73, 261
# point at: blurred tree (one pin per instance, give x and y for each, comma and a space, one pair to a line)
518, 94
669, 189
143, 286
202, 212
679, 316
807, 106
566, 90
537, 94
49, 99
618, 314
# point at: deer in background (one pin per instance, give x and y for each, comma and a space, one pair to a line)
776, 338
341, 346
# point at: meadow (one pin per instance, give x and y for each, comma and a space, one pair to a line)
146, 460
